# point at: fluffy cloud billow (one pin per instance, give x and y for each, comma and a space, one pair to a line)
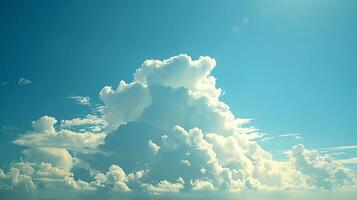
165, 133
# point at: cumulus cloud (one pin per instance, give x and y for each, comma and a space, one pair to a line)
45, 135
56, 156
125, 103
14, 180
164, 186
321, 170
166, 132
202, 185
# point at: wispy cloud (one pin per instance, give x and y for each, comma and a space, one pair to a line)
338, 148
348, 161
296, 136
237, 27
245, 20
23, 81
8, 129
4, 83
81, 100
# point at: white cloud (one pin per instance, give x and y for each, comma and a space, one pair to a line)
45, 125
81, 100
321, 170
180, 71
57, 157
154, 147
23, 81
45, 135
338, 148
117, 176
90, 123
42, 176
348, 161
185, 163
177, 85
164, 186
202, 185
14, 180
126, 103
296, 136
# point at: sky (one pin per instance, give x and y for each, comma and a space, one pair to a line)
275, 80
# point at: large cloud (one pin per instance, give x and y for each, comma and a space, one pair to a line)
165, 132
176, 91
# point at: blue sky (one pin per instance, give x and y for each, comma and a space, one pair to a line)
290, 65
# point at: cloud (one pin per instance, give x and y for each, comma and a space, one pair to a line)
23, 81
296, 136
202, 185
180, 71
164, 186
14, 180
348, 161
91, 122
245, 20
55, 156
321, 170
154, 147
45, 135
338, 148
4, 83
81, 100
236, 28
166, 132
126, 103
115, 177
8, 129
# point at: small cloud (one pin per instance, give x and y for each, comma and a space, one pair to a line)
185, 163
265, 139
81, 100
4, 83
245, 20
23, 81
236, 28
154, 147
296, 136
8, 129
